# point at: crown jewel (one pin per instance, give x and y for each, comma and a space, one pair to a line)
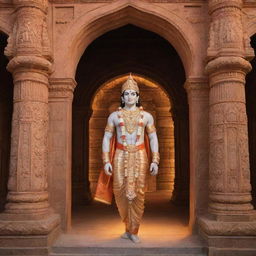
130, 84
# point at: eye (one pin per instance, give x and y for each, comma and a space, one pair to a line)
133, 93
126, 93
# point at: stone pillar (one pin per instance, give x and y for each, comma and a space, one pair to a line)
180, 195
230, 211
27, 212
198, 100
60, 145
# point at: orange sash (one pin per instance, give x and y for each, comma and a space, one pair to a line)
104, 188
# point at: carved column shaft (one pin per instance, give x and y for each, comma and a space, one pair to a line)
229, 160
28, 166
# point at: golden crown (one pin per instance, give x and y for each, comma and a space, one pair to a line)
130, 84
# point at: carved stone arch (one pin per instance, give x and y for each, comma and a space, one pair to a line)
91, 25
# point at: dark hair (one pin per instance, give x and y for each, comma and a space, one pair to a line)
123, 104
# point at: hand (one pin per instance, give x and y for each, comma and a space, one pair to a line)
153, 169
108, 169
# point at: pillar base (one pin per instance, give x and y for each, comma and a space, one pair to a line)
28, 237
236, 238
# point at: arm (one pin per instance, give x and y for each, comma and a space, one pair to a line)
151, 130
106, 145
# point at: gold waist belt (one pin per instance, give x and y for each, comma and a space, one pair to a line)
130, 148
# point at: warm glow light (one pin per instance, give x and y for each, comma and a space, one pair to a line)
163, 225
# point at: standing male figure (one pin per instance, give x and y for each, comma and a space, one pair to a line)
130, 160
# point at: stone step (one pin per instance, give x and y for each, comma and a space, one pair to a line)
128, 251
169, 254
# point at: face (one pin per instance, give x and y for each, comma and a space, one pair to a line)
130, 97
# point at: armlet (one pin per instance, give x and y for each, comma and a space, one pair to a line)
109, 128
150, 128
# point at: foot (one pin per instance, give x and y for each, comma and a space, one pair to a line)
125, 235
134, 238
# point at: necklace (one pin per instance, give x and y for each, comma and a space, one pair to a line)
130, 119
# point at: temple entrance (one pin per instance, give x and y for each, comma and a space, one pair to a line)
157, 68
251, 114
6, 106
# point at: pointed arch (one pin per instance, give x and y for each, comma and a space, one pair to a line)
93, 24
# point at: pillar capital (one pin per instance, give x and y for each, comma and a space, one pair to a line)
39, 4
29, 63
220, 5
225, 64
197, 88
62, 87
196, 83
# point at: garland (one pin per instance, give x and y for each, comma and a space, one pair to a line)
123, 128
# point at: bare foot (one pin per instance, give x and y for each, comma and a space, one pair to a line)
134, 238
125, 235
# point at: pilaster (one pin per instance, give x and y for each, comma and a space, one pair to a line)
60, 146
198, 100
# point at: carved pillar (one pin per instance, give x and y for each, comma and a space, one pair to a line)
230, 210
229, 160
27, 212
198, 99
60, 144
180, 195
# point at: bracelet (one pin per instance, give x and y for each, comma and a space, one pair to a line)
155, 157
109, 128
105, 157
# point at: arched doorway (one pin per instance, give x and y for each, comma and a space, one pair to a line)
71, 45
6, 96
109, 58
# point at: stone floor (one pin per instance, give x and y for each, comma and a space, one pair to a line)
96, 229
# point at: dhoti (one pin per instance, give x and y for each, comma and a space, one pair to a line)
130, 167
